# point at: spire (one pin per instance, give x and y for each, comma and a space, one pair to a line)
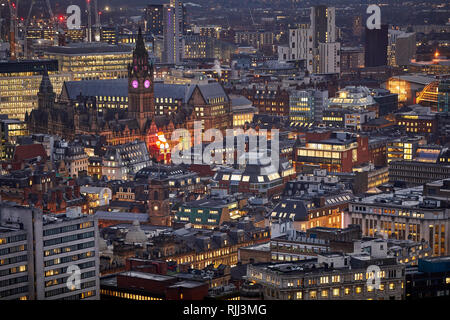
140, 45
46, 85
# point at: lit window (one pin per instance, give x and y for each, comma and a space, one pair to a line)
336, 292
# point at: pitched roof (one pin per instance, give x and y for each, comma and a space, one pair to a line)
119, 88
209, 91
27, 152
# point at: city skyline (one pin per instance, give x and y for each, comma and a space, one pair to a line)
224, 152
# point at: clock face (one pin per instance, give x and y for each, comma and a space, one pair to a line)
147, 83
135, 84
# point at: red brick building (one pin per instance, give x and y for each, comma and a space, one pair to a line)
273, 102
340, 152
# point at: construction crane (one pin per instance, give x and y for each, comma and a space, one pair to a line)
97, 25
89, 28
13, 30
27, 21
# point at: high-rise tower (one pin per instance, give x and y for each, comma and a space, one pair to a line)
173, 32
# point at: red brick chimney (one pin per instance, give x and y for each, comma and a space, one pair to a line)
59, 194
26, 193
69, 192
76, 190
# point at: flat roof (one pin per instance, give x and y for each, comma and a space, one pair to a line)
146, 276
187, 284
91, 48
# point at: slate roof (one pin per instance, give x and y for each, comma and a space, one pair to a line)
119, 88
93, 88
291, 209
95, 48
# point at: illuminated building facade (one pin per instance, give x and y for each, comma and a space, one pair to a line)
429, 95
208, 213
402, 148
52, 245
356, 98
407, 87
435, 95
257, 178
121, 162
76, 35
338, 153
436, 66
10, 129
173, 31
109, 35
92, 61
420, 120
154, 19
243, 111
19, 85
204, 102
405, 215
201, 249
268, 101
330, 276
96, 196
307, 106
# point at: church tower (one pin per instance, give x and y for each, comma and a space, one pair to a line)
141, 102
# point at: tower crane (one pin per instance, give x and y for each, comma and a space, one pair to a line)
13, 30
27, 21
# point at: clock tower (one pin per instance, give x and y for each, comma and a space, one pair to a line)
141, 101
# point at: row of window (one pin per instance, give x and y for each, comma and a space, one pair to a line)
14, 249
13, 260
336, 292
62, 280
14, 291
68, 228
76, 257
12, 239
12, 281
13, 270
63, 290
84, 265
70, 238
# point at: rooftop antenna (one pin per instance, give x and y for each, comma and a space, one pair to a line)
89, 29
250, 10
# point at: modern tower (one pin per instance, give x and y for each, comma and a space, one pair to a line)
375, 47
323, 24
173, 32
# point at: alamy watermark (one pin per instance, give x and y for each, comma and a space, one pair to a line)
374, 20
373, 273
73, 17
228, 150
74, 280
